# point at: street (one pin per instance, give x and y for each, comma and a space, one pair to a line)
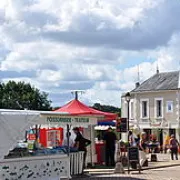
170, 173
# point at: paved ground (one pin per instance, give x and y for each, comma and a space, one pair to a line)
170, 173
163, 161
164, 169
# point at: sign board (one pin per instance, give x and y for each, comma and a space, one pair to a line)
133, 158
123, 125
158, 125
68, 120
32, 137
133, 154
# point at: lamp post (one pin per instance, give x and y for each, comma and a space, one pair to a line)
128, 98
119, 167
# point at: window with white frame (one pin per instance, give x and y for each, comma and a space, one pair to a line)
144, 108
169, 106
159, 108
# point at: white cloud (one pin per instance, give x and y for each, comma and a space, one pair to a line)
102, 96
88, 45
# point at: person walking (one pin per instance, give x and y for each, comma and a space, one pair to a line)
174, 144
81, 143
143, 149
132, 141
110, 143
137, 139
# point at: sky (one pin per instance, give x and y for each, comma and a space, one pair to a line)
92, 45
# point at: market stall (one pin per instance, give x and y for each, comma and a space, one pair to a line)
13, 125
75, 107
100, 130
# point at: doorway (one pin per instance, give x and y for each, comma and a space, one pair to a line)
160, 137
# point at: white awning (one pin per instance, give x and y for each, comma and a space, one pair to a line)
103, 128
12, 128
13, 124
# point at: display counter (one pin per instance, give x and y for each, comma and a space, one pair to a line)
41, 164
39, 167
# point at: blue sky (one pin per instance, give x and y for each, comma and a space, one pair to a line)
96, 45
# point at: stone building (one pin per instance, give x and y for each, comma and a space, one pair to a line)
155, 105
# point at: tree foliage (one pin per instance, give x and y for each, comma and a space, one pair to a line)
107, 108
22, 95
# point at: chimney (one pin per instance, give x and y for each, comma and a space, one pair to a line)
157, 71
137, 84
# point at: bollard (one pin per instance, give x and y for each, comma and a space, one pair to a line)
119, 168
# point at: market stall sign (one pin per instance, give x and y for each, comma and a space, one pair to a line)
52, 119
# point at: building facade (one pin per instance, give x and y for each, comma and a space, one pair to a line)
155, 105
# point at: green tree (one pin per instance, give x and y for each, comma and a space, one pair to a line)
107, 108
22, 95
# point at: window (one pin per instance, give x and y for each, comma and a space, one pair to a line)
144, 109
169, 106
159, 108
